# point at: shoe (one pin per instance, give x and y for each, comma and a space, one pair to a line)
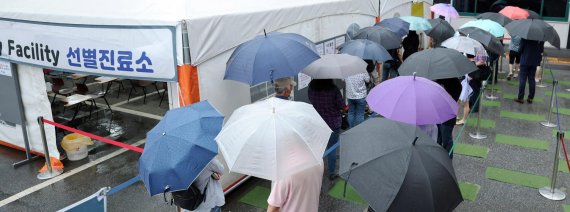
509, 77
529, 100
537, 80
333, 177
519, 101
460, 122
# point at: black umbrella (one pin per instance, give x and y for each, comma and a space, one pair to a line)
533, 15
437, 63
380, 35
441, 30
496, 17
534, 29
397, 167
396, 25
490, 42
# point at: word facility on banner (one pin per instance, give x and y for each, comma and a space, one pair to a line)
121, 51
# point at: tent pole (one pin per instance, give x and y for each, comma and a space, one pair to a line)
29, 157
185, 44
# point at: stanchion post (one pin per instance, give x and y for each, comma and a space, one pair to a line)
51, 172
492, 96
547, 123
478, 134
552, 193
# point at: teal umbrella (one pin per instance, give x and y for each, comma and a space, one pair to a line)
490, 26
417, 23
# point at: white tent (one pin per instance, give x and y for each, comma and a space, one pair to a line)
215, 28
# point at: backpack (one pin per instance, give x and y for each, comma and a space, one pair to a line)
189, 199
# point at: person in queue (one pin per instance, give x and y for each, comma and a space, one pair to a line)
327, 100
283, 87
531, 56
209, 183
299, 192
445, 138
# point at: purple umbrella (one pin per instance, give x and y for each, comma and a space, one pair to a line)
413, 100
446, 10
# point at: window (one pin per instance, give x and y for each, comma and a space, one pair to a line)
261, 91
549, 9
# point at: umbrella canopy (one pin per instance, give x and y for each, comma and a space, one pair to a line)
441, 30
491, 43
437, 63
413, 100
273, 139
514, 13
397, 167
335, 66
465, 45
352, 30
382, 36
417, 23
496, 17
365, 49
534, 29
396, 25
268, 57
446, 10
533, 15
490, 26
179, 147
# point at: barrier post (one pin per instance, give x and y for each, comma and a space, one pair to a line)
50, 172
547, 123
492, 96
551, 192
478, 134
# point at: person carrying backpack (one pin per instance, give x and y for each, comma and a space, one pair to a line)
208, 182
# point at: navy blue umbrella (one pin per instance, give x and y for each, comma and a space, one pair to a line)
269, 57
179, 147
365, 49
396, 25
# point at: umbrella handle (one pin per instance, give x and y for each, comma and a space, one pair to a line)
348, 178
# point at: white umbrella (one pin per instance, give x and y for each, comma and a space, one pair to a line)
335, 66
273, 139
465, 45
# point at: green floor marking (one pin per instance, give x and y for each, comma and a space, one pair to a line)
514, 82
561, 82
522, 116
554, 131
469, 191
485, 123
471, 150
566, 208
560, 94
522, 142
338, 189
257, 197
563, 111
517, 178
496, 87
512, 96
491, 103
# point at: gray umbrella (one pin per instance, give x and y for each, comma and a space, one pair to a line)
383, 36
437, 63
496, 17
534, 29
397, 167
441, 30
491, 43
533, 15
365, 49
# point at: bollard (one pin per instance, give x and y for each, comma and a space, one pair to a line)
50, 172
551, 192
547, 123
478, 134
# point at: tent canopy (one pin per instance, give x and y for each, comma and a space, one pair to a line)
214, 26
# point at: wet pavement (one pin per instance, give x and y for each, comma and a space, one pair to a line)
131, 128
